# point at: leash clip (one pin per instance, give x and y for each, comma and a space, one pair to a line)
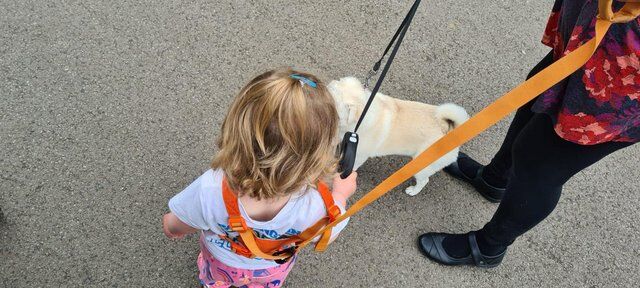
370, 75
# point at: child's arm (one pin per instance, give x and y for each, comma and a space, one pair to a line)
174, 228
344, 188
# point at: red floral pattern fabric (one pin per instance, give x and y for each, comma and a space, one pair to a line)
601, 101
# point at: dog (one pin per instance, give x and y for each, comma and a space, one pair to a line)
395, 127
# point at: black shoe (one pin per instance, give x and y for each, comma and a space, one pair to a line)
491, 193
431, 246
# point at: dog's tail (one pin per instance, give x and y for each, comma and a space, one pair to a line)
452, 115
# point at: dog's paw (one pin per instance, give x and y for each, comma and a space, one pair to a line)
412, 190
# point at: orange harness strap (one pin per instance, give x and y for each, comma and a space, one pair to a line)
333, 212
251, 246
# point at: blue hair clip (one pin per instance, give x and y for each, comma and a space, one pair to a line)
304, 80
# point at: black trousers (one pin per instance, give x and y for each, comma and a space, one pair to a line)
536, 163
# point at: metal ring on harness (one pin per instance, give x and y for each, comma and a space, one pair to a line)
291, 250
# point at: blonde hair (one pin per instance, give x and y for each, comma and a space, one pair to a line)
277, 137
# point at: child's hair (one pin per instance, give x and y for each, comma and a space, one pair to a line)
278, 135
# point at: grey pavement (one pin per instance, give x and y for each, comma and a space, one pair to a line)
111, 107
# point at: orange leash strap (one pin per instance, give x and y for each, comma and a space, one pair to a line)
499, 109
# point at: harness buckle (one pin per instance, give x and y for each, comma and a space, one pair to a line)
291, 250
370, 75
237, 224
240, 249
333, 212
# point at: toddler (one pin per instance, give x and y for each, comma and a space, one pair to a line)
277, 144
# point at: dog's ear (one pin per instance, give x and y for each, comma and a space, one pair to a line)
348, 114
352, 114
345, 113
353, 87
347, 110
348, 118
341, 107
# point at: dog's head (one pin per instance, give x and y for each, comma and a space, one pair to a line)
350, 97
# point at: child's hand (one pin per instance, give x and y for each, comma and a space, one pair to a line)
344, 188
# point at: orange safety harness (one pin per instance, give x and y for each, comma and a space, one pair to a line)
250, 246
281, 249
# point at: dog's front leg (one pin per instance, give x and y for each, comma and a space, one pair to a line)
422, 178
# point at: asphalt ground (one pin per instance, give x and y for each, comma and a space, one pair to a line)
111, 107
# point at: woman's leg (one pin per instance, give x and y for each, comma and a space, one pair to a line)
542, 163
496, 173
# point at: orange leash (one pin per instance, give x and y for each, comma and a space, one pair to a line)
499, 109
486, 118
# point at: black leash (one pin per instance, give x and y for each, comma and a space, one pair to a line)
349, 144
407, 19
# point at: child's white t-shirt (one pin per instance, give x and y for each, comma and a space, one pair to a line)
201, 206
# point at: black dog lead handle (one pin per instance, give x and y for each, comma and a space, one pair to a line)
348, 148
